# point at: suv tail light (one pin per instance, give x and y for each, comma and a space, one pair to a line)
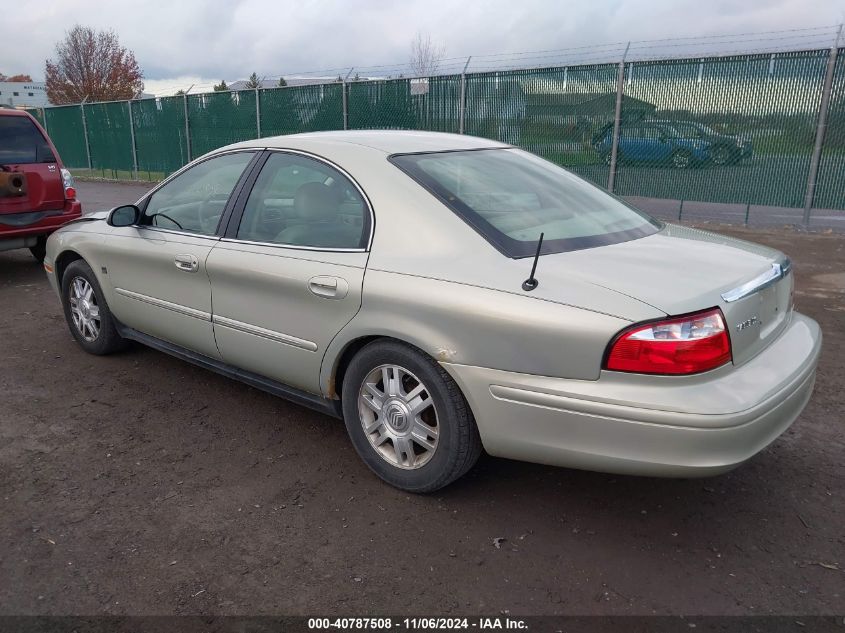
687, 344
68, 184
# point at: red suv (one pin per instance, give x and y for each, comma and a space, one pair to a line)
37, 194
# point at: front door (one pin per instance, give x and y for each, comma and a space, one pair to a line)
157, 269
288, 275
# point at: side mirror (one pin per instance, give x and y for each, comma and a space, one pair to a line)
127, 215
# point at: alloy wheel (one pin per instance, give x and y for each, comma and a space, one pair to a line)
398, 415
84, 309
681, 160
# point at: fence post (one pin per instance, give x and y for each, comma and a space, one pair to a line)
134, 147
257, 113
463, 102
617, 120
815, 160
187, 126
345, 104
44, 118
85, 133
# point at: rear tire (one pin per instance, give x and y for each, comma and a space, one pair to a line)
39, 251
87, 313
407, 418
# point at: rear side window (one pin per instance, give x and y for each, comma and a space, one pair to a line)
22, 143
298, 201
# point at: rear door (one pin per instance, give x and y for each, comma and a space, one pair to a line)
30, 179
288, 274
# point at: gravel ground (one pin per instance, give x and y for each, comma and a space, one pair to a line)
139, 484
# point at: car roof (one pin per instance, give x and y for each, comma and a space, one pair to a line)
386, 141
13, 112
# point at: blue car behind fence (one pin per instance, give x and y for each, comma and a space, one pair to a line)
680, 144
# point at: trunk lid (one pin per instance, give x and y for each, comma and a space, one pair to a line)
680, 270
30, 176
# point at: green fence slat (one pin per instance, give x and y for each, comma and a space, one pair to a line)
406, 104
735, 129
295, 109
64, 124
159, 135
830, 181
729, 129
220, 118
109, 137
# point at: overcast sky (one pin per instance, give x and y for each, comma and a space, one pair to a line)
179, 42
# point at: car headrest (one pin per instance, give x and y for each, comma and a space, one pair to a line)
315, 201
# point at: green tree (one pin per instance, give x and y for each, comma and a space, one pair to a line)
253, 82
282, 82
179, 93
221, 87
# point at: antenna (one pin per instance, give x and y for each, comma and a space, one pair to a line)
529, 284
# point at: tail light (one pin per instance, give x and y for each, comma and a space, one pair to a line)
687, 344
68, 184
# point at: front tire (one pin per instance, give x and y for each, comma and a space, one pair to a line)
407, 418
86, 311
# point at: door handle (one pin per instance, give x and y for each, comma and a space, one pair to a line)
328, 287
187, 263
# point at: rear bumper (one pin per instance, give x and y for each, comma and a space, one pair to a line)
15, 235
644, 425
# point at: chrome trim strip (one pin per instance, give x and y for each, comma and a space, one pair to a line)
271, 335
773, 275
167, 305
231, 240
159, 229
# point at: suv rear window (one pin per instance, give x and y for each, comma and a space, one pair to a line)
21, 142
510, 197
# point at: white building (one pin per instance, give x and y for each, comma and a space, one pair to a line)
23, 94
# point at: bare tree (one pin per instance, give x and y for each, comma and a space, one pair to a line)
425, 56
92, 64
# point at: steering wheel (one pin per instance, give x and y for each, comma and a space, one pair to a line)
154, 218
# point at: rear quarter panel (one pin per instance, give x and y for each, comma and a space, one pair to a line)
460, 324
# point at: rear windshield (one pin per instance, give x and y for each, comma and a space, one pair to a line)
21, 142
511, 197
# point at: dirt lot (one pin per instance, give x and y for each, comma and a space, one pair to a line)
138, 484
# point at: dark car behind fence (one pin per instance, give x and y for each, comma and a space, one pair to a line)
741, 130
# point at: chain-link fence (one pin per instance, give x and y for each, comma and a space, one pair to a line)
742, 129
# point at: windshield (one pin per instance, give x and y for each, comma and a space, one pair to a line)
22, 143
511, 197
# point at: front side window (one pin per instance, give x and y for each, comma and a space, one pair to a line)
510, 197
300, 201
22, 143
194, 201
